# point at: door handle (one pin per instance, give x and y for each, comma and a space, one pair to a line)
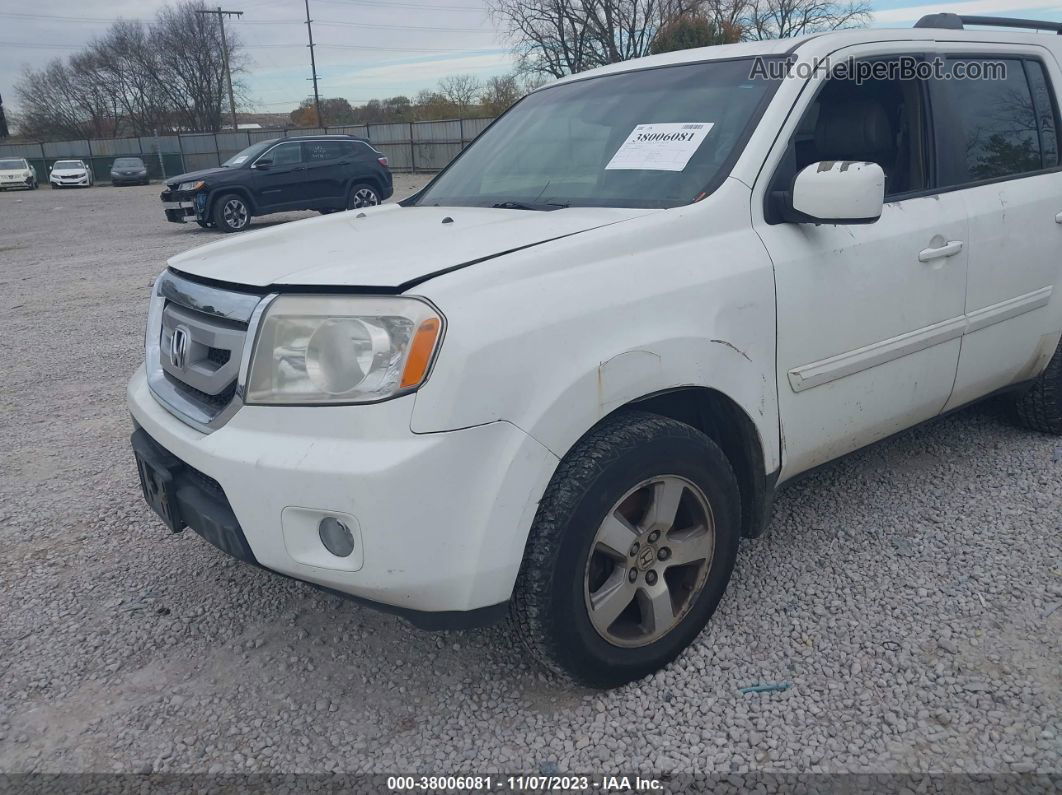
949, 249
1058, 218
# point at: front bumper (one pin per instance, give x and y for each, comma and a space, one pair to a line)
79, 182
129, 179
442, 517
16, 183
180, 206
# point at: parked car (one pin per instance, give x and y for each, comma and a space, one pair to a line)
313, 172
70, 173
17, 172
129, 171
563, 381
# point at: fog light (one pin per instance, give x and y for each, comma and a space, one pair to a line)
336, 537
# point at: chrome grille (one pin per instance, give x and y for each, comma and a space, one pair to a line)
198, 349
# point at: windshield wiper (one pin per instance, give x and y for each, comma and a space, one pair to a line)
544, 206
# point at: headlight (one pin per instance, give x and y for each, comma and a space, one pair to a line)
196, 185
342, 349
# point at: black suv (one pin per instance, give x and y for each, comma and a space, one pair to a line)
314, 172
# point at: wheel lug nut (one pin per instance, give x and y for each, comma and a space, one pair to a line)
634, 549
632, 575
650, 578
653, 536
663, 553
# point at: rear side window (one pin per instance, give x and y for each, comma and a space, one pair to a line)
317, 151
996, 129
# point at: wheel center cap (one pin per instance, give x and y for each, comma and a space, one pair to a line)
646, 558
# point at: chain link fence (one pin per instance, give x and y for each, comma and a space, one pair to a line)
409, 146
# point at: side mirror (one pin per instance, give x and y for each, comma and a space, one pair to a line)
837, 192
264, 164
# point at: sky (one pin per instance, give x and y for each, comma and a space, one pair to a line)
365, 48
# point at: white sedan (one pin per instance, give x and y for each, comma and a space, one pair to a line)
64, 173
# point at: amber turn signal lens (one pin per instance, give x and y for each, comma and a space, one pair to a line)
420, 352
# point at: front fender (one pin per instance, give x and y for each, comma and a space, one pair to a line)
555, 337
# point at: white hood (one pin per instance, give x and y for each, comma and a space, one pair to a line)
21, 173
68, 172
386, 246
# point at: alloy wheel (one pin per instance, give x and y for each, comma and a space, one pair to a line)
235, 214
649, 561
363, 197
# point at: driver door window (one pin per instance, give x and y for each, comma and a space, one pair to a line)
286, 155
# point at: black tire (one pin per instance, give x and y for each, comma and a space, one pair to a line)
231, 213
549, 609
363, 195
1040, 408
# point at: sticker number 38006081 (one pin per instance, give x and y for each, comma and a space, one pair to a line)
659, 147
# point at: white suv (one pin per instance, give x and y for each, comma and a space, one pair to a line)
562, 381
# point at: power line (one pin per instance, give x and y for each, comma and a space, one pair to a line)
329, 22
412, 49
421, 6
62, 18
380, 26
470, 50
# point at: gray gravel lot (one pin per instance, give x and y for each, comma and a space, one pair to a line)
911, 595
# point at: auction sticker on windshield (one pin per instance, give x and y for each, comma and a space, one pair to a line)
659, 147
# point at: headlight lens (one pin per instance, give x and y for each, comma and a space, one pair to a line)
342, 349
195, 185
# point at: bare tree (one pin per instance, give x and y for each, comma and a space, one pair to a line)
191, 70
693, 30
460, 91
127, 65
559, 37
783, 19
499, 93
55, 103
133, 80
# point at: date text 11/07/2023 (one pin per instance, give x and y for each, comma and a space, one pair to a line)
538, 783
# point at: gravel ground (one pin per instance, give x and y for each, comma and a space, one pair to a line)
911, 595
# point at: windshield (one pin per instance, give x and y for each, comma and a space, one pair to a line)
68, 164
248, 154
652, 138
128, 162
12, 165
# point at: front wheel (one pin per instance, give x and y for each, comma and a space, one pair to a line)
231, 213
630, 552
362, 195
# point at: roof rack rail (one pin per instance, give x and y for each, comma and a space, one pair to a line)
957, 22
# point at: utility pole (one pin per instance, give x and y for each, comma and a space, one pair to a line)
313, 67
221, 14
